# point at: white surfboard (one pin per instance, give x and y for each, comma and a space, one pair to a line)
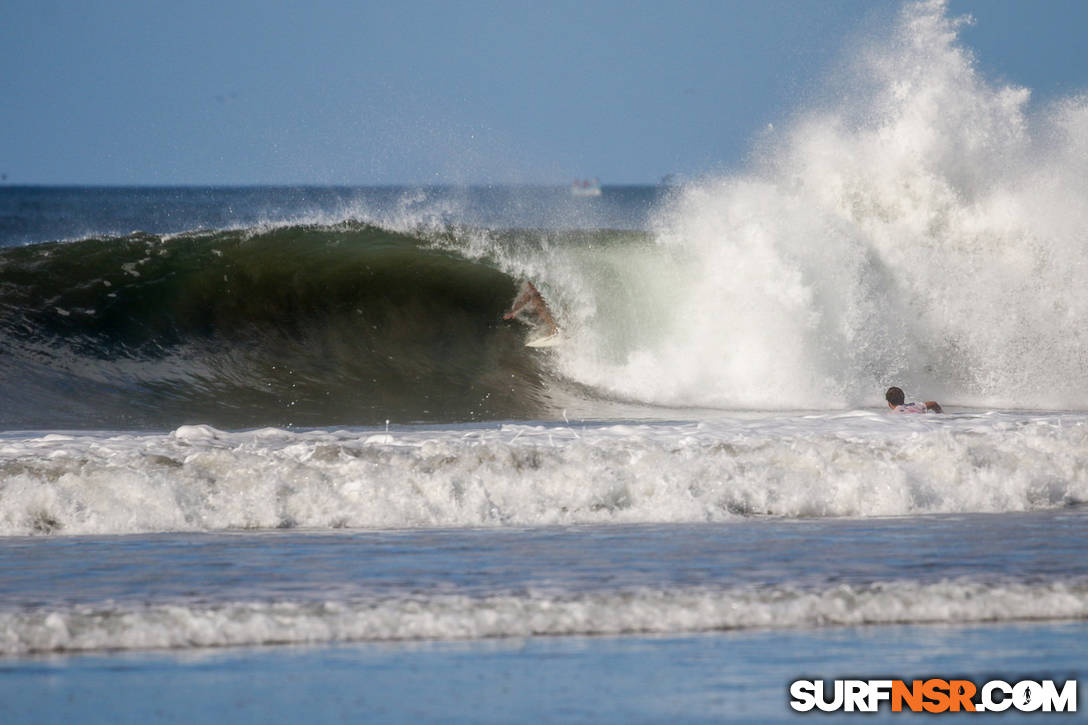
549, 340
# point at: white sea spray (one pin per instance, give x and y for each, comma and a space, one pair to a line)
921, 226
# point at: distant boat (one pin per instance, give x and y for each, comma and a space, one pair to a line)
584, 187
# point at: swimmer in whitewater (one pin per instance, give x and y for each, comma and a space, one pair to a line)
530, 300
897, 402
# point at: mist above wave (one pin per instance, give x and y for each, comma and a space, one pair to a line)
923, 226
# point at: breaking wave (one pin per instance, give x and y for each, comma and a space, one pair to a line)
861, 464
923, 227
452, 616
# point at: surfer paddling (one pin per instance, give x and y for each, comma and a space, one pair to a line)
529, 300
897, 402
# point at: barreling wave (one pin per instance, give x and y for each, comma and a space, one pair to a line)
922, 227
290, 325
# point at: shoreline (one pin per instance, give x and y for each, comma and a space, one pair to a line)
719, 677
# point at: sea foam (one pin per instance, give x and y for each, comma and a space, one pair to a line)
454, 616
862, 463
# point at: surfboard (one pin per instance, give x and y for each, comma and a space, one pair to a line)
549, 340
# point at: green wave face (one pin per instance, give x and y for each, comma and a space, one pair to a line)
304, 326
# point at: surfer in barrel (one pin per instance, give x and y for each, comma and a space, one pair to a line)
530, 301
897, 402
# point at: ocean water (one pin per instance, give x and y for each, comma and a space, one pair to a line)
273, 453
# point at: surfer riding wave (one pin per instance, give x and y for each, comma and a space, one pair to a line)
530, 302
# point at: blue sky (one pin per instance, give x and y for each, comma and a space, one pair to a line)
511, 91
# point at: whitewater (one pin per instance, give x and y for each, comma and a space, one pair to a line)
198, 478
237, 418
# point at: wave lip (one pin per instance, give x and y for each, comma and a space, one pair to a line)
863, 464
445, 617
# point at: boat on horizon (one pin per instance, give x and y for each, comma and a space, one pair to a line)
585, 187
